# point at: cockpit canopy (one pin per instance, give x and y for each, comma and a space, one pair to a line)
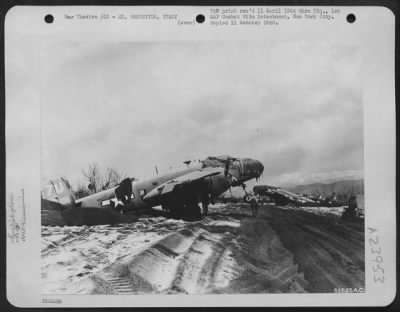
217, 161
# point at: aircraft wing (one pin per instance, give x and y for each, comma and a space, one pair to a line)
185, 179
292, 196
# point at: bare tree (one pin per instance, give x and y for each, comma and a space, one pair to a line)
93, 176
112, 177
98, 181
106, 181
81, 191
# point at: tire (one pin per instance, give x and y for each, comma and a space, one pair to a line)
247, 198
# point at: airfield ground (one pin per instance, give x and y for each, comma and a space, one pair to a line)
281, 250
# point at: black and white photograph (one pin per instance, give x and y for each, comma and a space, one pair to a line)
200, 157
201, 168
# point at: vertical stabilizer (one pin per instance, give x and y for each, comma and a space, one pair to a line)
59, 191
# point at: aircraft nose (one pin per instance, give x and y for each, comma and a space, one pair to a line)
252, 167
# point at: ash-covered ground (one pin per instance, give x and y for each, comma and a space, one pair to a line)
282, 250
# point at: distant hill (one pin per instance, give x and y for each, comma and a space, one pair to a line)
344, 187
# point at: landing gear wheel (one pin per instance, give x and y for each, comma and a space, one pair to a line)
247, 198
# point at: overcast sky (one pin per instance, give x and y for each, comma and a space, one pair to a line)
295, 107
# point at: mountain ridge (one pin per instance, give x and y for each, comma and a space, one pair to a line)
342, 187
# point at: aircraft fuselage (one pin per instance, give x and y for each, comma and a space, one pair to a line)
177, 191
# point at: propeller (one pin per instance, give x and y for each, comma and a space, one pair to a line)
227, 167
208, 194
232, 179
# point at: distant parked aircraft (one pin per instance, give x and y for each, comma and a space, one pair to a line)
281, 196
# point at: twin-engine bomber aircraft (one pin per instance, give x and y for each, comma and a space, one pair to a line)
179, 192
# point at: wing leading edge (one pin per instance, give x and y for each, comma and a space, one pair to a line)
185, 179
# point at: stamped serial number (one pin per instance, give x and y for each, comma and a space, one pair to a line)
51, 300
349, 290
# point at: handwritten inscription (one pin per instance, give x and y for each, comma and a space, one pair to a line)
376, 256
16, 229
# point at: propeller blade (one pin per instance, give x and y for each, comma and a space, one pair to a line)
210, 186
226, 167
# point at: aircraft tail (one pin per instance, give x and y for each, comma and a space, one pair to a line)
58, 190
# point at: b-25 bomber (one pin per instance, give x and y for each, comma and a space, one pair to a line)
179, 192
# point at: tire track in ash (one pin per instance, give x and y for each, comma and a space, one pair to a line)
112, 284
63, 237
268, 267
77, 252
192, 260
200, 265
329, 252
